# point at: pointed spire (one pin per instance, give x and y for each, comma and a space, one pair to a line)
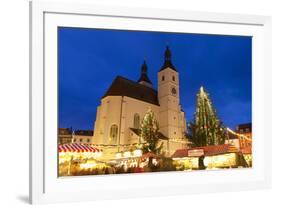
168, 60
168, 54
144, 68
144, 80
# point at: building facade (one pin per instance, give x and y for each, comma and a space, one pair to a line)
83, 137
245, 130
64, 135
126, 102
233, 139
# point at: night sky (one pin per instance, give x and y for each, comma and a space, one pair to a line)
90, 59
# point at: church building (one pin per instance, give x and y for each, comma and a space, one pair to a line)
126, 102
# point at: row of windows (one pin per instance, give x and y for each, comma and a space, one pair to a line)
81, 140
246, 130
173, 78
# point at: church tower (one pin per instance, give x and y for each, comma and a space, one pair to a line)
171, 117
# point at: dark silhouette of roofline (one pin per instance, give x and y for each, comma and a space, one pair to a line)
122, 86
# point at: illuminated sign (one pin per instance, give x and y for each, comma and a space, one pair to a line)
195, 152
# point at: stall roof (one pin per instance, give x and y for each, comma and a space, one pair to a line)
74, 147
207, 150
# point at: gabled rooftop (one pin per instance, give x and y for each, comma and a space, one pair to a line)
124, 87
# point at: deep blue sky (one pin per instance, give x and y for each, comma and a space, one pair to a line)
89, 60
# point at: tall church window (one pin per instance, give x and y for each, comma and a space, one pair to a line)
174, 79
137, 121
113, 134
163, 78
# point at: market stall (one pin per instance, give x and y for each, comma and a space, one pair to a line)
75, 157
208, 157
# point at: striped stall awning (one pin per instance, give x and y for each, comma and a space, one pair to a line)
74, 147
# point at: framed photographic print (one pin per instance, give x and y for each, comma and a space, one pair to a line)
129, 102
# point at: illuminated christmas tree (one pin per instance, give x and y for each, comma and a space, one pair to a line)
150, 132
206, 128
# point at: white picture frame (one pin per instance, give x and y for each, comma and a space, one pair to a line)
46, 187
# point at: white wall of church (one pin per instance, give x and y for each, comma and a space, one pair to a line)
109, 113
133, 106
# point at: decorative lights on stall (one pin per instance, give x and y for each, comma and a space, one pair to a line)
239, 135
129, 154
72, 151
137, 153
179, 140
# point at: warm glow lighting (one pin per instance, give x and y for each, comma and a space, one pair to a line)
127, 154
99, 154
61, 154
239, 135
154, 161
118, 155
137, 153
226, 160
194, 162
207, 161
87, 165
211, 162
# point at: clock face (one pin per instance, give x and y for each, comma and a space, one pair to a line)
174, 91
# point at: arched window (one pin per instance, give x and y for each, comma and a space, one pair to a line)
113, 134
163, 78
137, 121
174, 79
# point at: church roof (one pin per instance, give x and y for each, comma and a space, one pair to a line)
84, 132
145, 79
161, 136
124, 87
